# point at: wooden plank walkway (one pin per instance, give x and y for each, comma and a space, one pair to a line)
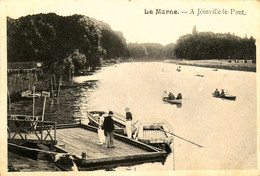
78, 140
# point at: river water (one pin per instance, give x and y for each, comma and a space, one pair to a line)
226, 129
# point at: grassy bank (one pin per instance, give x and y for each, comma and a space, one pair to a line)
220, 64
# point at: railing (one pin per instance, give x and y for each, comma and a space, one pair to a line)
31, 130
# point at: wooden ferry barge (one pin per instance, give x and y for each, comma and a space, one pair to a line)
80, 140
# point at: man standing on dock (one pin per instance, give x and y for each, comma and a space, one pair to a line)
129, 119
109, 129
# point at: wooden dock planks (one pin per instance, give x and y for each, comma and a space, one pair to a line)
78, 140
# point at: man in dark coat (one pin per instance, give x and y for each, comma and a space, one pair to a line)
109, 130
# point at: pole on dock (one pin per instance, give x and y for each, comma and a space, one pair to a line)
9, 98
52, 88
45, 95
43, 108
54, 80
59, 90
33, 99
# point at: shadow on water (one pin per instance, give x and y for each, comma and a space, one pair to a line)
173, 104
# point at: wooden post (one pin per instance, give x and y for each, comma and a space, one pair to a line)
33, 99
52, 89
54, 80
59, 90
43, 108
55, 131
45, 95
9, 98
70, 74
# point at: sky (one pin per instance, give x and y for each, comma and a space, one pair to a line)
128, 16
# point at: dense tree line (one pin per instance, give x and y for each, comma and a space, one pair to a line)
151, 51
73, 42
208, 45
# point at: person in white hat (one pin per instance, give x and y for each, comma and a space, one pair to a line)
129, 119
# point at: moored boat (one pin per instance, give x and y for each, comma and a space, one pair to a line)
65, 162
155, 132
27, 149
119, 121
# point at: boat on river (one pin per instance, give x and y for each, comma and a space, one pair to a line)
119, 121
174, 101
155, 132
225, 96
199, 75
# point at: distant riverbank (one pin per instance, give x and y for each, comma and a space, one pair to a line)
220, 64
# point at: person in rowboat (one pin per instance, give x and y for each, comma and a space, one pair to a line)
171, 96
179, 96
222, 92
129, 119
109, 130
165, 94
216, 93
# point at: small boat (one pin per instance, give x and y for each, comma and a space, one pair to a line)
175, 101
119, 120
225, 96
27, 149
200, 75
155, 132
215, 69
179, 69
29, 94
65, 162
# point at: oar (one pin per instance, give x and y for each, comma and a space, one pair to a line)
182, 138
135, 122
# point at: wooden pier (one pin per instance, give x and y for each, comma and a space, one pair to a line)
78, 138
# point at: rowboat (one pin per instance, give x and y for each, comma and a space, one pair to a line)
119, 121
24, 149
175, 101
155, 132
65, 162
225, 96
200, 75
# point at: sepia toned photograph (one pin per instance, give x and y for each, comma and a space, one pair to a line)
108, 86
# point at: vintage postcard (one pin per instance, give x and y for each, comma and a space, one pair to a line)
129, 87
